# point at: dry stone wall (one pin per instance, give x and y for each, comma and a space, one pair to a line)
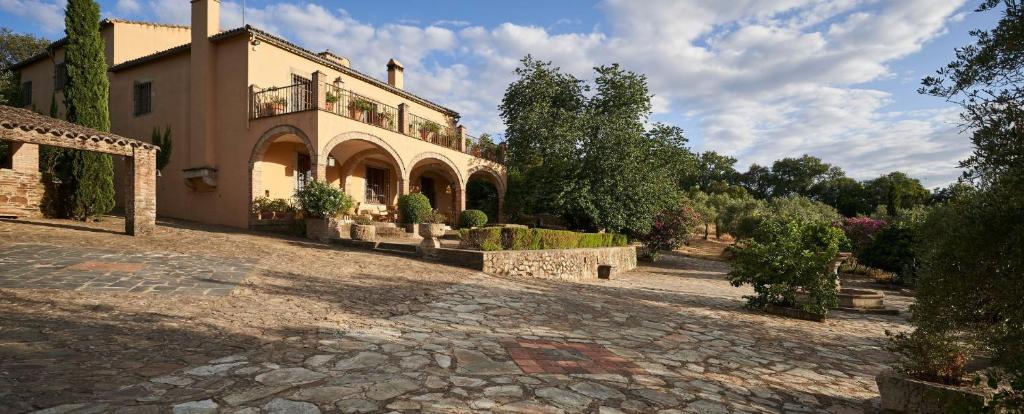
567, 264
21, 193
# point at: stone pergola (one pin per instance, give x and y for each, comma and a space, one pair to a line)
28, 130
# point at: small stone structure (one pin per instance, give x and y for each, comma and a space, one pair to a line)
28, 130
564, 264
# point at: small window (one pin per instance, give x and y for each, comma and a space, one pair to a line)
26, 93
304, 173
143, 96
60, 76
377, 188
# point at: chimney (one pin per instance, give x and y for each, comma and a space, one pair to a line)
396, 77
202, 108
341, 60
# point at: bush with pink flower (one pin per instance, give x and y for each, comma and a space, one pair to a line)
670, 231
861, 231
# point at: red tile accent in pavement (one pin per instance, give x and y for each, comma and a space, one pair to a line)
108, 266
536, 356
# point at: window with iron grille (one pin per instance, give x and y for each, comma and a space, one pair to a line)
60, 76
143, 96
26, 93
377, 187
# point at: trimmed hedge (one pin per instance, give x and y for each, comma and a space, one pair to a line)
472, 218
414, 208
513, 238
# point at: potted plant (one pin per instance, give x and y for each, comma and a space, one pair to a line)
358, 107
363, 228
332, 100
413, 209
384, 120
428, 128
320, 202
929, 376
433, 226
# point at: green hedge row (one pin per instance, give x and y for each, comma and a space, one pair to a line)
512, 238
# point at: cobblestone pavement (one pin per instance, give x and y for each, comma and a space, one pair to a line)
667, 338
39, 266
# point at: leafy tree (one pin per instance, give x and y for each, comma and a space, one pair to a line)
847, 195
796, 176
86, 94
482, 195
672, 152
14, 48
712, 167
670, 231
896, 190
757, 180
163, 157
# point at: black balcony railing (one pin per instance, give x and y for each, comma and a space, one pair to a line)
360, 108
281, 100
432, 132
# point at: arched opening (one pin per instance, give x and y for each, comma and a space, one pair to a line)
485, 192
282, 162
437, 178
369, 173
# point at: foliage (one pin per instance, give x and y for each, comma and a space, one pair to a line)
14, 48
267, 204
414, 208
587, 159
892, 250
897, 190
319, 199
712, 167
861, 232
757, 180
86, 95
436, 218
797, 176
789, 256
472, 218
670, 231
937, 357
847, 195
360, 104
163, 157
741, 217
804, 209
363, 219
521, 238
429, 127
481, 194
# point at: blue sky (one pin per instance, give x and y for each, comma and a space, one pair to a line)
755, 79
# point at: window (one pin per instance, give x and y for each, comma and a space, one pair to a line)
303, 173
26, 93
143, 97
377, 188
60, 76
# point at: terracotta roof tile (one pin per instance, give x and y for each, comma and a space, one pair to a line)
26, 120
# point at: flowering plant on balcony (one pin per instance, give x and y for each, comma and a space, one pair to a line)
384, 120
358, 107
427, 128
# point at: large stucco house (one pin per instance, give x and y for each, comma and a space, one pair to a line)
253, 115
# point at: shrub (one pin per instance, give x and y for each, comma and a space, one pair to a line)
936, 357
521, 238
892, 250
472, 218
803, 209
861, 231
319, 199
414, 208
362, 219
786, 257
276, 205
435, 218
670, 231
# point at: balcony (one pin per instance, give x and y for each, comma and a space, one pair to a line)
274, 101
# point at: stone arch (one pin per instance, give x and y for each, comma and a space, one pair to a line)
499, 181
355, 135
460, 181
260, 149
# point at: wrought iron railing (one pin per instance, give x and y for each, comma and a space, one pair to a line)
487, 150
432, 132
281, 100
360, 108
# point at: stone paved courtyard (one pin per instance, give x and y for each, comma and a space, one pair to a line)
668, 337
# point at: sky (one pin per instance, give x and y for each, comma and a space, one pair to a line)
758, 80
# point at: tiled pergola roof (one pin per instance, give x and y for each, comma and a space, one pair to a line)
18, 119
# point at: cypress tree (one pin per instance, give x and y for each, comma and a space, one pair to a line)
86, 95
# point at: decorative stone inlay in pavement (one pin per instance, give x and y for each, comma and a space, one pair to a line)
39, 266
550, 357
698, 349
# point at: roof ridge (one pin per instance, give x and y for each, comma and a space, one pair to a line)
158, 24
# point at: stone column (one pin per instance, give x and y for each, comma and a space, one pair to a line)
319, 171
403, 187
403, 111
140, 192
461, 132
25, 157
319, 89
460, 203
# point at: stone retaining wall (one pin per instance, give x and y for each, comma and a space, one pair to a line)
21, 193
567, 264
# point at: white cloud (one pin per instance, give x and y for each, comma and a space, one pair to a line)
48, 15
762, 79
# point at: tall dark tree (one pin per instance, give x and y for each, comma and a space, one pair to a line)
712, 167
847, 195
897, 190
757, 181
86, 94
14, 48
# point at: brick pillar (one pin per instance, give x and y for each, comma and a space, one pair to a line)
319, 91
140, 192
461, 132
403, 124
320, 172
24, 157
460, 203
403, 187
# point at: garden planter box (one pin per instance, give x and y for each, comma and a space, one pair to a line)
366, 232
902, 394
431, 231
318, 229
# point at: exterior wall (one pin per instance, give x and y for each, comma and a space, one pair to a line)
21, 193
567, 264
135, 40
278, 168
